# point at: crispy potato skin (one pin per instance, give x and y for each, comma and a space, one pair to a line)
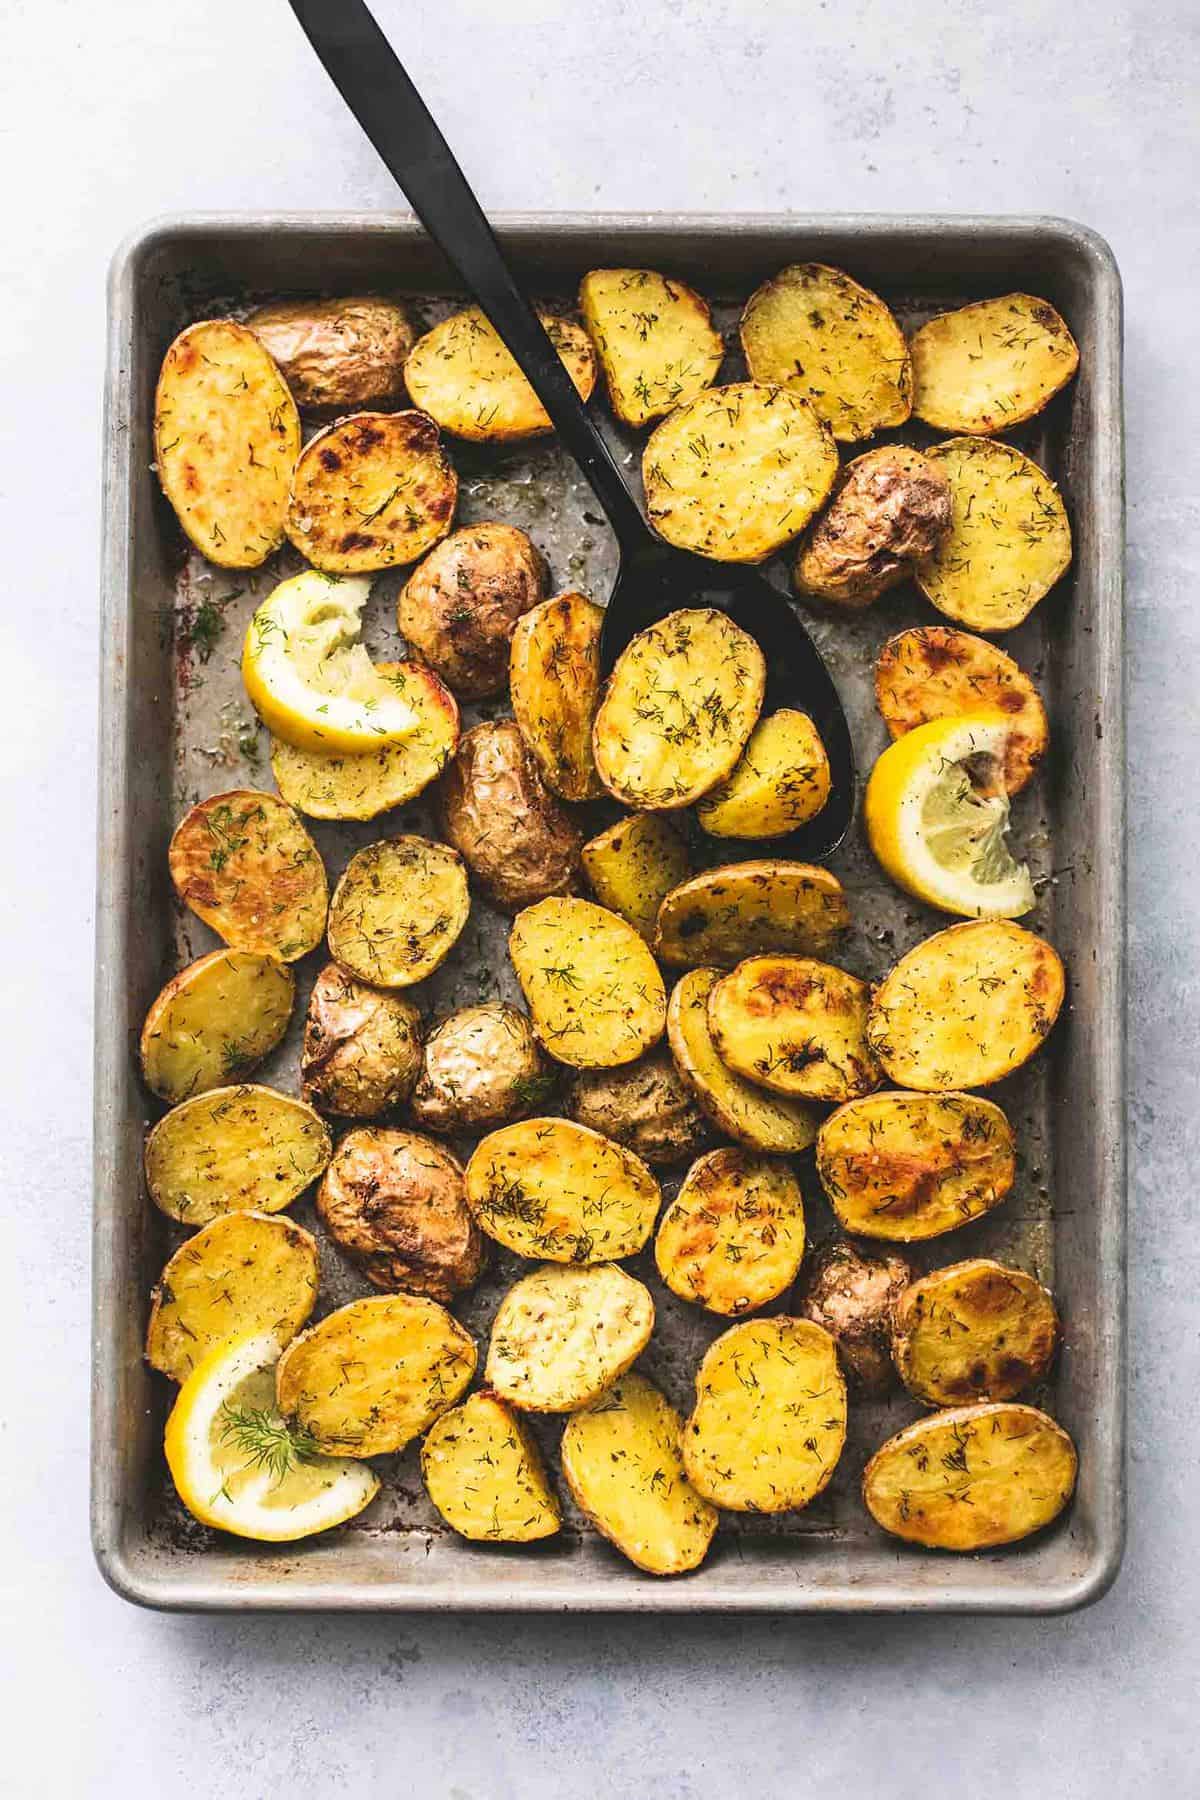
362, 1047
395, 1202
723, 915
655, 339
398, 910
480, 1068
552, 1189
633, 865
739, 1110
933, 672
554, 680
781, 781
991, 365
464, 377
215, 1020
796, 1026
853, 1297
458, 609
338, 355
890, 507
371, 491
243, 1273
593, 989
243, 863
645, 1105
234, 1149
975, 1331
484, 1473
733, 1237
513, 834
564, 1334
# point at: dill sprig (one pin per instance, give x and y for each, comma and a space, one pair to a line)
267, 1441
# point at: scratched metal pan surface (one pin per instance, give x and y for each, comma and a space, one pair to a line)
176, 725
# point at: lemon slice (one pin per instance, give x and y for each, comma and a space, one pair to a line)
936, 814
239, 1466
308, 677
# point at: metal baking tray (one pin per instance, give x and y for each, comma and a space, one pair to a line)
175, 725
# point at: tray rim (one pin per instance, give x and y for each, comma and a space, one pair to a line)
131, 1576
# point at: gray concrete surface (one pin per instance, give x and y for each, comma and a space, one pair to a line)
118, 111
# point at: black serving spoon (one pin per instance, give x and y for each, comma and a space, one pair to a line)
653, 578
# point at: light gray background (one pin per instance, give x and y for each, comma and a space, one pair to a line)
111, 112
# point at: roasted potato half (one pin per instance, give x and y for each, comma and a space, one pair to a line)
966, 1007
362, 1047
459, 608
748, 909
485, 1475
398, 910
214, 1022
815, 331
549, 1188
739, 1109
853, 1297
991, 365
681, 702
906, 1167
890, 507
621, 1460
226, 435
338, 356
738, 472
564, 1333
375, 1374
796, 1026
480, 1068
244, 1272
395, 1203
934, 672
646, 1105
972, 1477
633, 865
593, 989
780, 782
769, 1421
655, 339
554, 681
371, 492
462, 375
234, 1149
975, 1331
243, 863
514, 835
733, 1237
1009, 540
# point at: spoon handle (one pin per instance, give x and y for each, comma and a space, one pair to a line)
373, 83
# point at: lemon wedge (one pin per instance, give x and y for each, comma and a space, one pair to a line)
239, 1466
936, 813
310, 679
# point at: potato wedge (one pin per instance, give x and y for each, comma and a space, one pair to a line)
481, 1067
655, 339
906, 1167
459, 608
738, 1109
680, 704
769, 1421
738, 472
244, 1272
371, 492
733, 1237
375, 1374
633, 865
338, 356
226, 435
854, 1297
748, 909
234, 1149
214, 1022
551, 1189
821, 335
461, 374
796, 1026
593, 989
975, 1331
516, 837
645, 1105
554, 681
397, 911
621, 1460
362, 787
889, 508
971, 1478
966, 1007
781, 781
394, 1201
362, 1047
991, 365
1008, 543
243, 863
563, 1334
484, 1473
935, 672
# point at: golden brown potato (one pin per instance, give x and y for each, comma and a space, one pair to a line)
853, 1297
554, 680
362, 1047
338, 356
737, 1108
633, 865
552, 1189
991, 365
371, 492
795, 1026
514, 835
244, 864
781, 781
214, 1022
971, 1478
733, 1237
593, 989
243, 1273
890, 507
459, 608
485, 1475
481, 1067
975, 1331
564, 1333
226, 435
395, 1203
655, 339
234, 1149
464, 377
398, 910
645, 1105
748, 909
934, 672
